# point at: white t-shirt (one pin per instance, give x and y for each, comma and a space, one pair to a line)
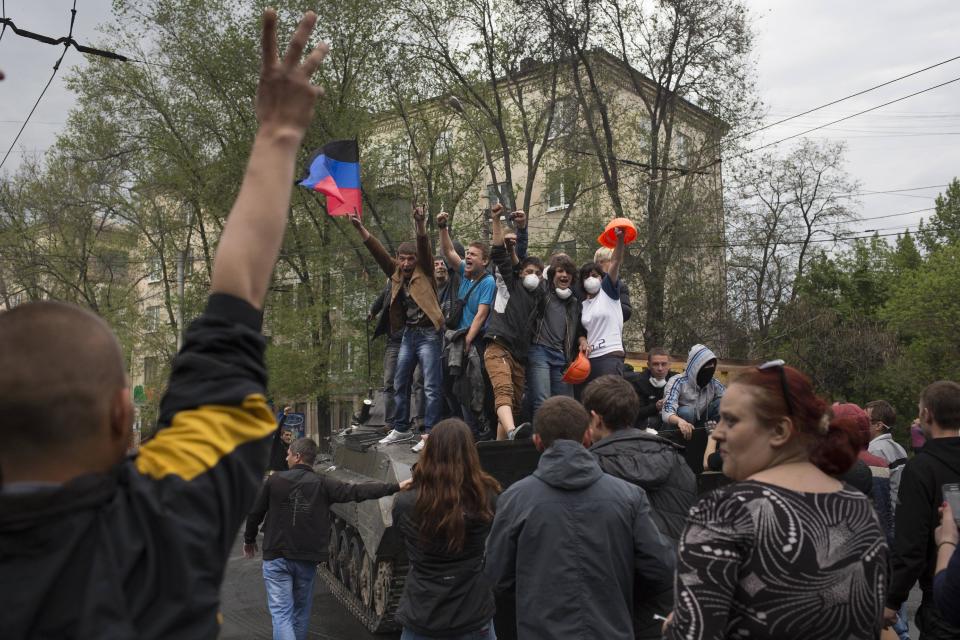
602, 317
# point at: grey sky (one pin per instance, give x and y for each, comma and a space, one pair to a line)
807, 53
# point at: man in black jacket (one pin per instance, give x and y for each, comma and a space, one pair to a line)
296, 505
649, 386
96, 544
510, 329
920, 497
648, 461
571, 540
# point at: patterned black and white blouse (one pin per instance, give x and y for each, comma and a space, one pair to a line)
763, 562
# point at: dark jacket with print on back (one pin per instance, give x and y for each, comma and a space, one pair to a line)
296, 506
446, 593
140, 551
571, 540
920, 496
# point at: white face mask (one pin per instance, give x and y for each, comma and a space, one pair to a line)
657, 384
531, 281
563, 294
591, 285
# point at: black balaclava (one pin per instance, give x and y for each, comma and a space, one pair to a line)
706, 373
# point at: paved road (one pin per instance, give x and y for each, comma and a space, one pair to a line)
245, 615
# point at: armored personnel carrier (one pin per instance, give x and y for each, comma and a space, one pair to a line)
367, 562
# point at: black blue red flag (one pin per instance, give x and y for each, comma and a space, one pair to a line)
334, 170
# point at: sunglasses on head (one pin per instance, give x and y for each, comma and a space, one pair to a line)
779, 365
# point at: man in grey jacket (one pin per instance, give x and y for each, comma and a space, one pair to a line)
882, 418
571, 540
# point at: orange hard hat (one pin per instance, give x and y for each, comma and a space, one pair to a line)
578, 371
609, 239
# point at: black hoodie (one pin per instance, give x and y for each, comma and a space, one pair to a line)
920, 497
140, 551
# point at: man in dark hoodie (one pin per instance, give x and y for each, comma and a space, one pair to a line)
920, 497
570, 539
95, 544
690, 401
648, 461
510, 329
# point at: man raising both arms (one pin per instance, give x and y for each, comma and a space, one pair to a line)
414, 309
100, 545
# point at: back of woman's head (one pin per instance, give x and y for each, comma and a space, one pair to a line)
832, 443
450, 485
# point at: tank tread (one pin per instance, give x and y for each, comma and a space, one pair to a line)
369, 618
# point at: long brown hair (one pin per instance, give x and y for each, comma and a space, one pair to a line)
450, 485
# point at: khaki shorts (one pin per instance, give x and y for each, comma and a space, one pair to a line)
506, 375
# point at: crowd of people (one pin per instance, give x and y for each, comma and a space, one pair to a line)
824, 528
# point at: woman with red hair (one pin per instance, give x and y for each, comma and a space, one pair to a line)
445, 519
786, 551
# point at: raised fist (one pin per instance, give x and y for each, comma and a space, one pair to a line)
519, 218
442, 219
496, 209
419, 213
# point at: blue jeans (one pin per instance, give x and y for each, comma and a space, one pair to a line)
486, 633
289, 596
389, 373
545, 367
902, 626
423, 346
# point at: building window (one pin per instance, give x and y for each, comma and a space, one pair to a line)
560, 191
499, 192
151, 371
564, 116
396, 166
154, 269
444, 141
684, 148
153, 318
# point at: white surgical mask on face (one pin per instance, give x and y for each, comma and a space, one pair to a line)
563, 294
591, 285
657, 384
531, 281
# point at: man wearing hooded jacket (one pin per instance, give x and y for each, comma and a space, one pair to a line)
690, 400
578, 546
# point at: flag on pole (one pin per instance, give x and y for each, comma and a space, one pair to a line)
334, 170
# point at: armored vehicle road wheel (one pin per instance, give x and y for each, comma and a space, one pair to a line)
343, 558
333, 549
356, 564
368, 573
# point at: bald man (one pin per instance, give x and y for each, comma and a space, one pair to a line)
97, 545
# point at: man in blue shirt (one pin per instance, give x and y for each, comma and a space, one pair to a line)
477, 291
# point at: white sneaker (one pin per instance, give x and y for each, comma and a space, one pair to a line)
396, 436
417, 448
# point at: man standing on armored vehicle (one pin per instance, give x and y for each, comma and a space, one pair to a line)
414, 308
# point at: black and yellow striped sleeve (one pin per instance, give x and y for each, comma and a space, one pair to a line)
210, 451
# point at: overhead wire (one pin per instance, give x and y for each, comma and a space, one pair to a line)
845, 98
56, 67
